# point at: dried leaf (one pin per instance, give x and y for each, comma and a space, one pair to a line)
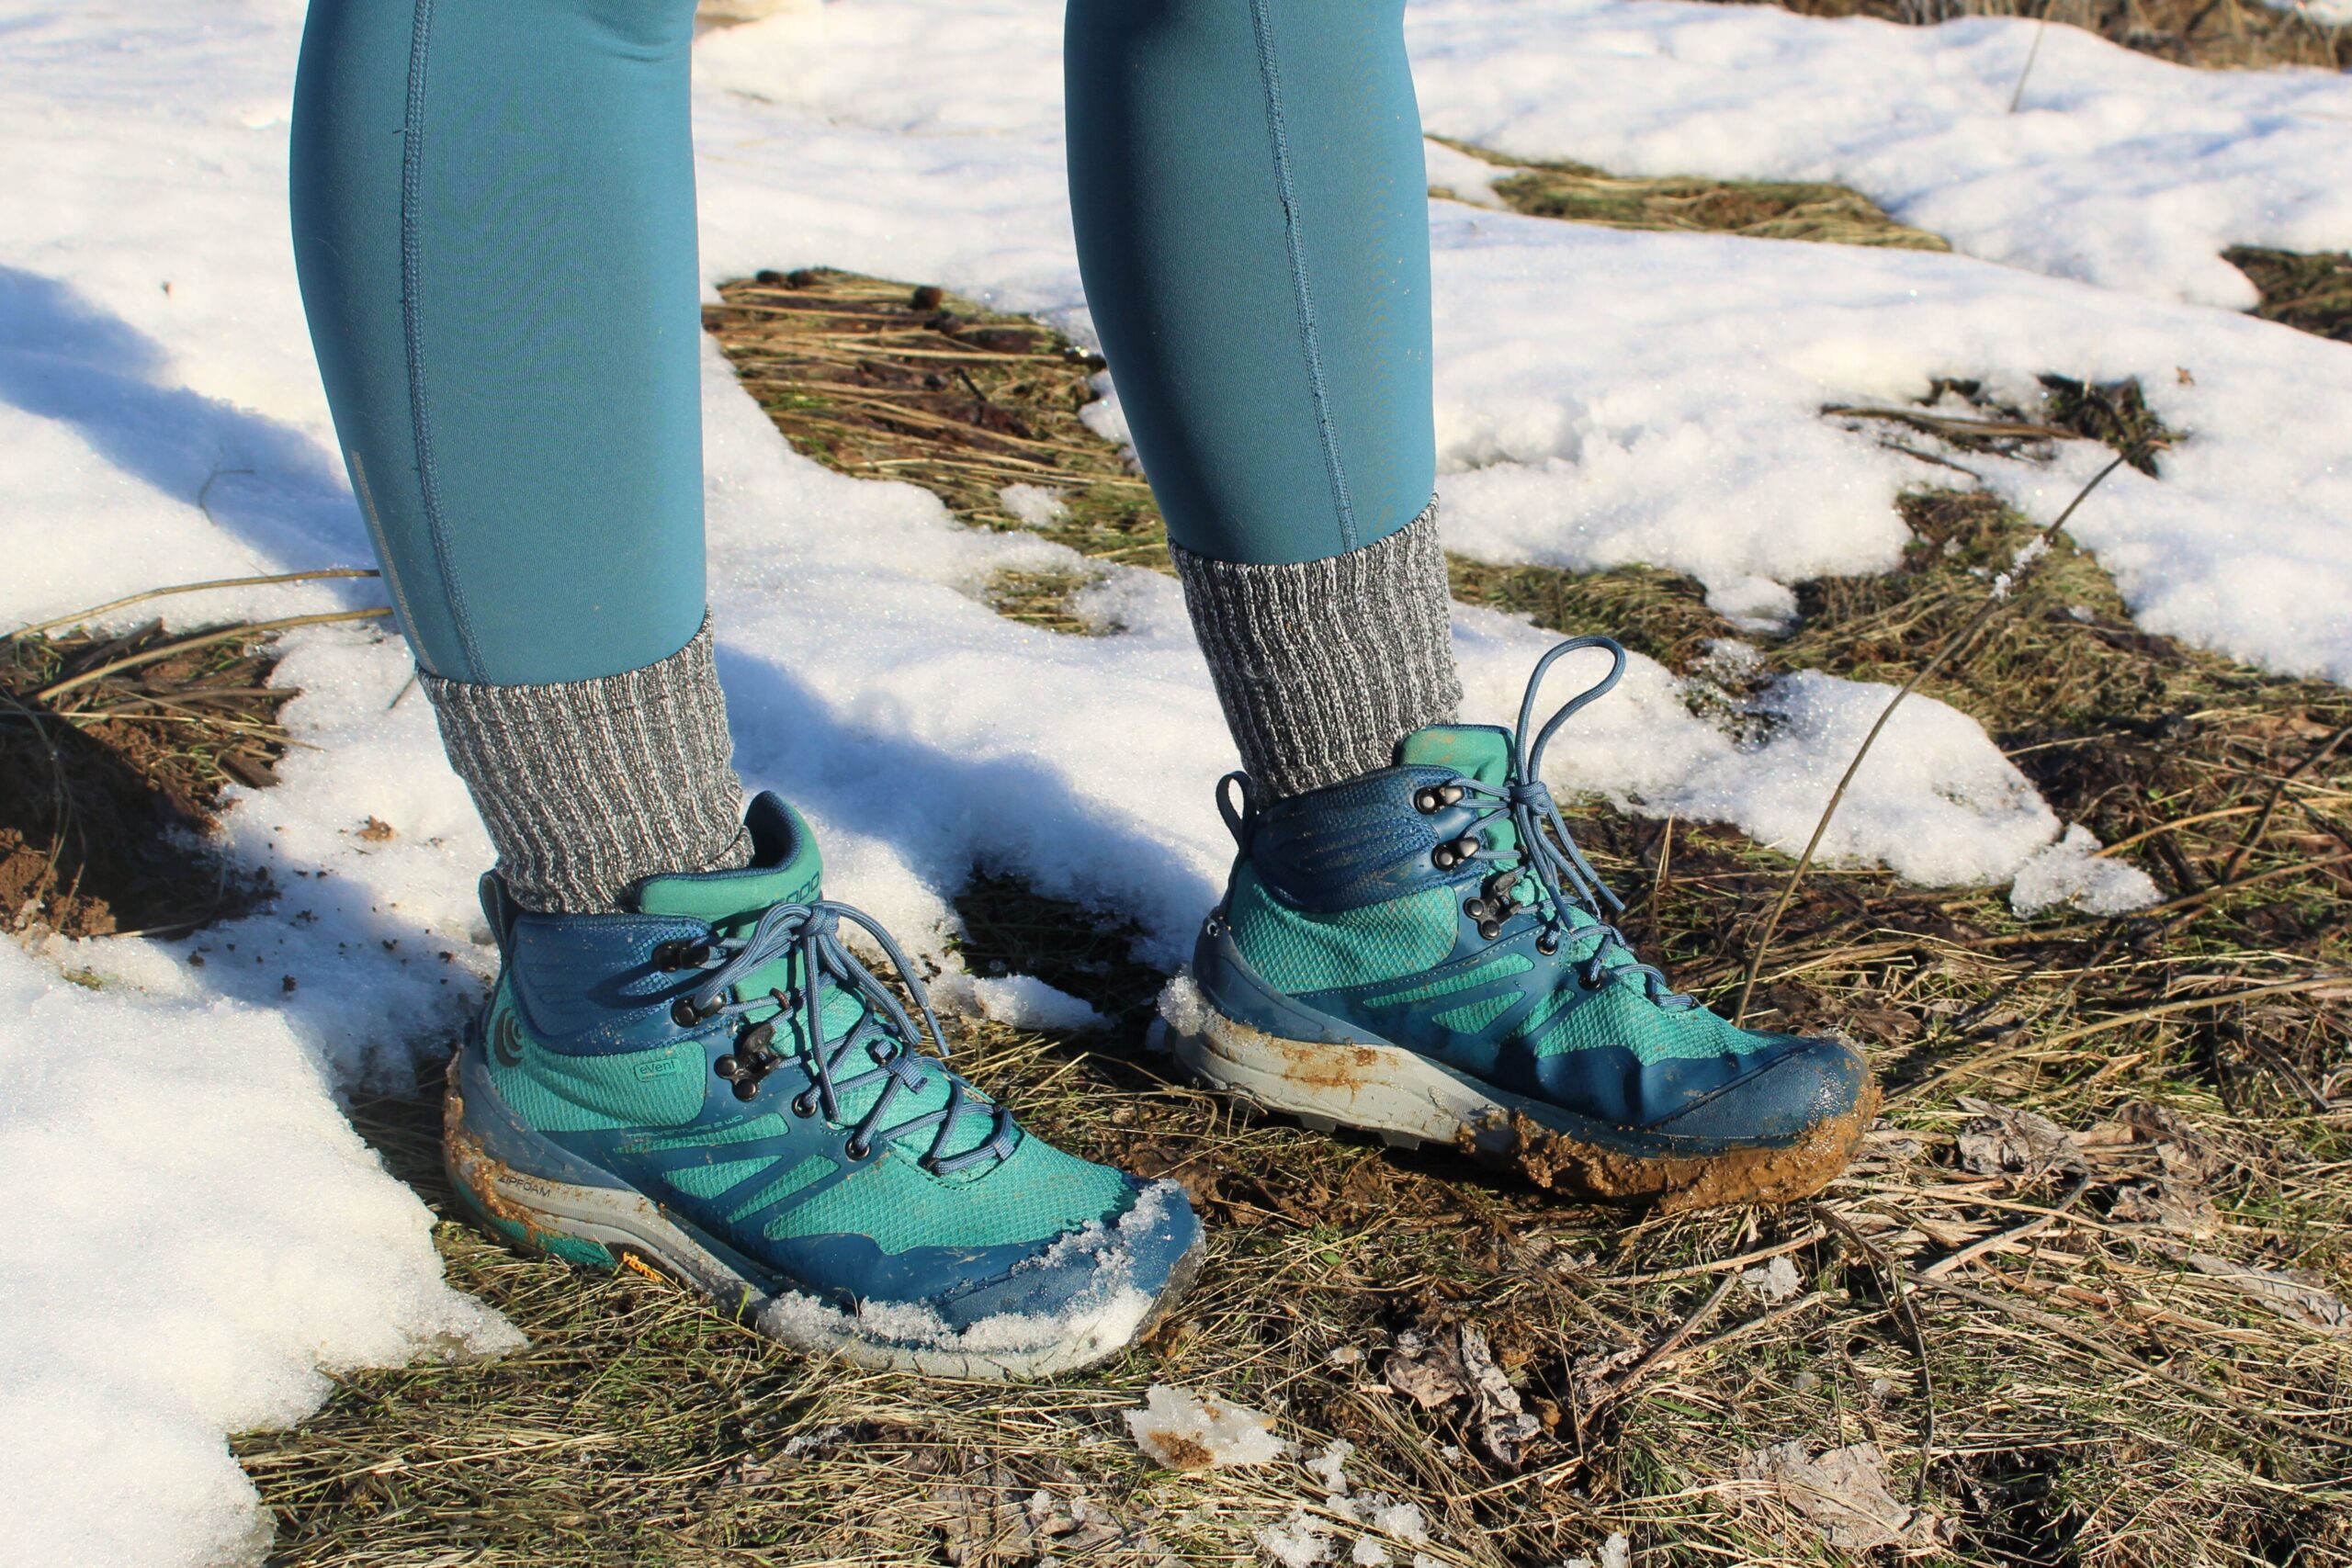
2183, 1212
1502, 1423
2297, 1297
2003, 1140
1843, 1494
1428, 1372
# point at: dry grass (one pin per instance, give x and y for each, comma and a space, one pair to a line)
2223, 34
2311, 292
2047, 1366
1762, 210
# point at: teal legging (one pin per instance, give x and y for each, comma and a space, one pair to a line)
494, 227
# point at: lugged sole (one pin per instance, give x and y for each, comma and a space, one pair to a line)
1406, 1100
602, 1227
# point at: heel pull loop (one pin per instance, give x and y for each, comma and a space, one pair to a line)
1237, 822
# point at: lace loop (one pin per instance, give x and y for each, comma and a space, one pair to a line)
1562, 874
809, 937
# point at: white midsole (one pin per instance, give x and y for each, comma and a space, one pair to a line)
1399, 1094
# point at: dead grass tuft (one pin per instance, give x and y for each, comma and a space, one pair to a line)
2312, 293
1762, 210
2221, 34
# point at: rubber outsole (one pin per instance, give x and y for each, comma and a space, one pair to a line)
1407, 1101
610, 1227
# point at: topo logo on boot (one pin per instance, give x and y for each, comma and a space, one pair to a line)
507, 1040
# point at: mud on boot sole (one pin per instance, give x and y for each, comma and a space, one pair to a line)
1407, 1101
602, 1226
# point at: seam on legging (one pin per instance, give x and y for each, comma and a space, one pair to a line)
1269, 77
413, 331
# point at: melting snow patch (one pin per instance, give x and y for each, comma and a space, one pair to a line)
1033, 506
1018, 1002
1615, 1552
1183, 1430
2071, 872
1307, 1538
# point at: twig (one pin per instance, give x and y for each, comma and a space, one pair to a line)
2018, 96
1952, 646
1625, 1382
192, 588
1976, 1249
1901, 1307
2050, 1324
1695, 1270
154, 654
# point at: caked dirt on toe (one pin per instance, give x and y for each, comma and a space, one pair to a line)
1571, 1166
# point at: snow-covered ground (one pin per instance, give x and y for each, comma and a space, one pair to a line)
198, 1236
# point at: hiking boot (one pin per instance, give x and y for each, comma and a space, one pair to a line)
715, 1084
1424, 954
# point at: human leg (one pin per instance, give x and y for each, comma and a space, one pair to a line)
1410, 943
683, 1059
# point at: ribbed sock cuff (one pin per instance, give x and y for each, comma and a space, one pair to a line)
1324, 665
588, 785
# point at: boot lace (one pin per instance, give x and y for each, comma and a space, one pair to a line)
810, 936
1562, 878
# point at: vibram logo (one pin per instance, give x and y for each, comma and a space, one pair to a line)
506, 1038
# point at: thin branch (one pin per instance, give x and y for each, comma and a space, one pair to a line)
1952, 645
153, 655
192, 588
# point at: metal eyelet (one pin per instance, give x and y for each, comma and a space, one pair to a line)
803, 1106
678, 954
1547, 944
1441, 857
1426, 801
684, 1014
858, 1151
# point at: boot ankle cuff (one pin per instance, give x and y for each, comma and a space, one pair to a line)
587, 786
1322, 666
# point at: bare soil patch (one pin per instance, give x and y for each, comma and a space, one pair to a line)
114, 753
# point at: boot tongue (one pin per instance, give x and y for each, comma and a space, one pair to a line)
1480, 751
784, 869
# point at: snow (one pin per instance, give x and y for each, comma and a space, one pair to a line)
2115, 167
2069, 873
197, 1239
1309, 1535
1603, 398
1019, 1001
1184, 1431
1106, 1310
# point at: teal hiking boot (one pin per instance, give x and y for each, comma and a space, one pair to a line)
714, 1084
1424, 954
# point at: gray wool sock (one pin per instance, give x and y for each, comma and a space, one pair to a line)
1324, 665
588, 785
